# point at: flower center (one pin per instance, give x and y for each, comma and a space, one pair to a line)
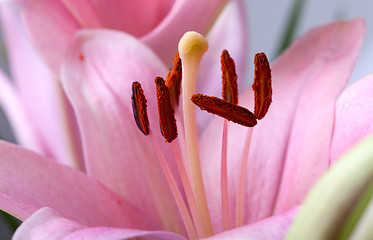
194, 209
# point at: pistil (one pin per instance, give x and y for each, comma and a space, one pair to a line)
192, 46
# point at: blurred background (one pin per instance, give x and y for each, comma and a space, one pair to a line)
269, 22
272, 27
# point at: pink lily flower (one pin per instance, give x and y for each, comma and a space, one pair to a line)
36, 111
125, 187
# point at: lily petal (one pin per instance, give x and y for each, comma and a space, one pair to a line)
84, 12
309, 76
353, 116
49, 33
48, 224
28, 181
50, 120
185, 15
313, 118
271, 228
97, 77
16, 113
120, 15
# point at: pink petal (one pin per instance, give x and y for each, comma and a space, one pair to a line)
97, 76
15, 111
292, 140
307, 155
46, 224
50, 33
45, 105
121, 15
353, 116
185, 15
161, 23
102, 233
29, 181
228, 32
49, 225
84, 12
271, 228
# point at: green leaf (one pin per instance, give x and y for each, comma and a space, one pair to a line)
11, 222
336, 204
291, 26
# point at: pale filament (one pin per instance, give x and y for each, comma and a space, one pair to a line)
188, 222
188, 191
240, 203
224, 180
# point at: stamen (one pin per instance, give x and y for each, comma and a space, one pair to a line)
240, 203
230, 94
139, 108
192, 46
165, 110
188, 191
185, 215
224, 180
173, 81
262, 85
229, 77
141, 118
225, 109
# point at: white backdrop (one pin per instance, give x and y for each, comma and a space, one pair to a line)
268, 19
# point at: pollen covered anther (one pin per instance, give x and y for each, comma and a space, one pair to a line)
262, 85
229, 77
165, 111
227, 110
139, 108
173, 80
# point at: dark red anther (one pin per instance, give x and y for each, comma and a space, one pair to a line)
229, 76
139, 108
165, 110
262, 85
227, 110
173, 81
